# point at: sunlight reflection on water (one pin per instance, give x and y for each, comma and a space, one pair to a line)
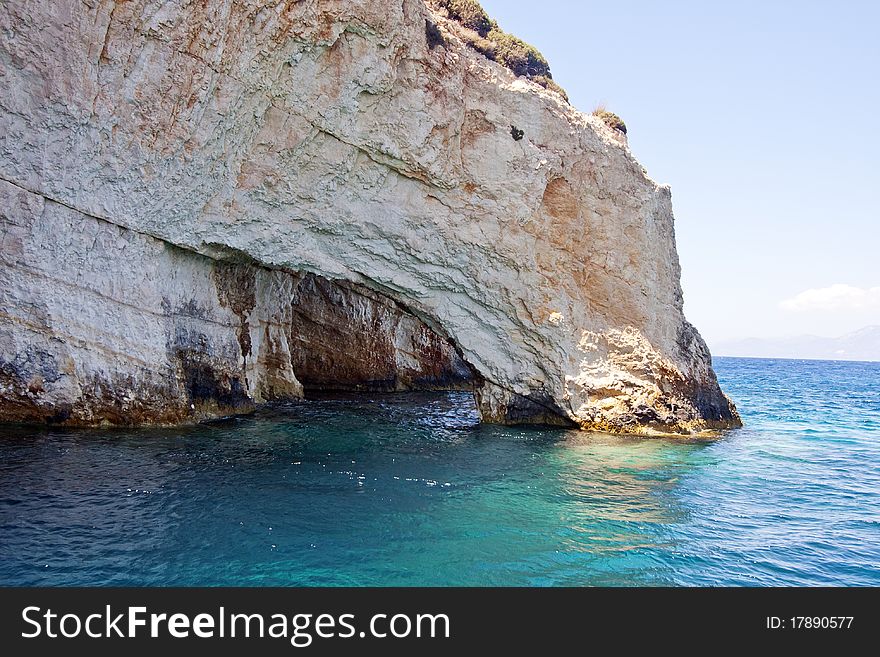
410, 489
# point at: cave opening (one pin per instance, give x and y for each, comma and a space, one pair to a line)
344, 337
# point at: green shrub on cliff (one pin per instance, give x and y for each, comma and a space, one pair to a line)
469, 13
610, 118
517, 55
482, 34
549, 83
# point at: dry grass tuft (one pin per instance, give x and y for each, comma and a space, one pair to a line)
610, 118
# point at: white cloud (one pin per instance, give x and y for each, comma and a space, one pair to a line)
834, 297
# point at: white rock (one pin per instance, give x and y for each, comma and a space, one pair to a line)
326, 137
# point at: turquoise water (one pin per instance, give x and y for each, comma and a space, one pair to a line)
409, 489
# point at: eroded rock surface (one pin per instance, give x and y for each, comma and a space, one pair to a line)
102, 325
238, 142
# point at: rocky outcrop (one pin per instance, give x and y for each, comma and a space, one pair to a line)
103, 325
203, 202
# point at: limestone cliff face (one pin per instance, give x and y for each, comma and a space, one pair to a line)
103, 325
210, 204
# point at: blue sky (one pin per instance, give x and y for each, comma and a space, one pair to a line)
763, 117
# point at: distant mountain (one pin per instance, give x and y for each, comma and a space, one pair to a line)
863, 344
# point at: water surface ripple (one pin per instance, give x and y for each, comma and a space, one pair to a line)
409, 489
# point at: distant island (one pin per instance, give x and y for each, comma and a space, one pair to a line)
863, 344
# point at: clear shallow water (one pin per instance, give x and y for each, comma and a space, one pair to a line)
410, 490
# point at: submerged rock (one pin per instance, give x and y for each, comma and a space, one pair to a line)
209, 205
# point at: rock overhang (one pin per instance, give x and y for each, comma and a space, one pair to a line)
337, 142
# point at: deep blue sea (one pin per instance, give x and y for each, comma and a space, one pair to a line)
409, 489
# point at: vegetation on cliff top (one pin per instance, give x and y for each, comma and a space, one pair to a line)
610, 118
472, 25
481, 33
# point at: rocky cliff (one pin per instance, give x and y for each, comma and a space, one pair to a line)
205, 205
